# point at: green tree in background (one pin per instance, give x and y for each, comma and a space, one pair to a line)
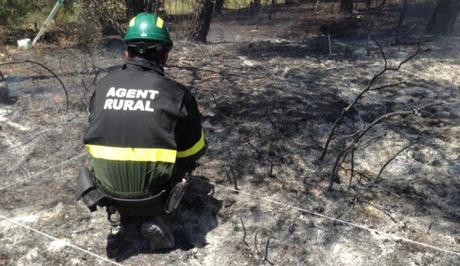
13, 11
18, 13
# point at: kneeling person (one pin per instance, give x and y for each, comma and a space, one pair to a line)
144, 133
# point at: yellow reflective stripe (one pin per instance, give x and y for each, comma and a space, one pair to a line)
160, 22
132, 154
132, 22
193, 150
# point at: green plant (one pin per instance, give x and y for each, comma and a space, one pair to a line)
13, 13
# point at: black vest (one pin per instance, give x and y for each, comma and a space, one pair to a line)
136, 107
138, 117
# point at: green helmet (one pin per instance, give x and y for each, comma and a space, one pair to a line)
148, 27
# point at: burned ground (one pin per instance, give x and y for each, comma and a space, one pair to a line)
268, 104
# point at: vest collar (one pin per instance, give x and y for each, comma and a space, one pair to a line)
144, 64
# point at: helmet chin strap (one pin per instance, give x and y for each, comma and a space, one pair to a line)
143, 47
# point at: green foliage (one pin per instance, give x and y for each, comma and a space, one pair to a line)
69, 13
180, 7
86, 19
16, 14
20, 13
238, 4
88, 25
13, 13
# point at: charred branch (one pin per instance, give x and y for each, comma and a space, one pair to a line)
390, 160
244, 232
49, 70
352, 165
232, 178
369, 87
270, 170
266, 251
357, 136
384, 117
340, 160
382, 210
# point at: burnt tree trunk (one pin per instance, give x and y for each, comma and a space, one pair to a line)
402, 13
402, 17
199, 26
444, 16
271, 9
133, 7
368, 4
255, 6
219, 7
346, 6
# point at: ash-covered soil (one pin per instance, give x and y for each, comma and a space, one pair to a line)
268, 104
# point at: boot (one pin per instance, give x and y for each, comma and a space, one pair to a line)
158, 234
123, 236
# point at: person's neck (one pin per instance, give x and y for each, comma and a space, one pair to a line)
146, 64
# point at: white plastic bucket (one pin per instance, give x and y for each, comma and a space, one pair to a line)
25, 43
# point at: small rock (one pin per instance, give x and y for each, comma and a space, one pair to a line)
418, 156
57, 245
319, 209
4, 95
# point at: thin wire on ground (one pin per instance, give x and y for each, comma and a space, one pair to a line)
42, 172
362, 227
67, 243
26, 141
